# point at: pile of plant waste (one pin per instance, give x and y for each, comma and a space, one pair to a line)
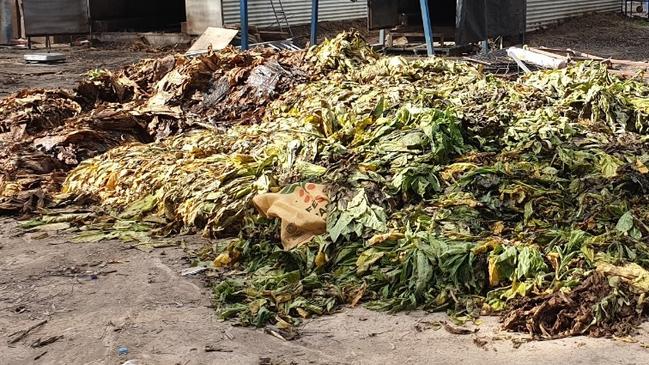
450, 189
45, 133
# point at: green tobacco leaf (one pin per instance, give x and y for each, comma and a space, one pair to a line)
341, 226
625, 223
424, 273
530, 262
367, 258
608, 165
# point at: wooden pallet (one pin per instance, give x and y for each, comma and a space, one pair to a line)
420, 50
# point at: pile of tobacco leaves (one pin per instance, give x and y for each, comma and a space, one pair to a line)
450, 189
44, 134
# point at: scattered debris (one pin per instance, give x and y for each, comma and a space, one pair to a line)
481, 342
553, 58
458, 330
131, 362
122, 351
422, 326
286, 334
193, 270
46, 341
212, 348
19, 335
518, 342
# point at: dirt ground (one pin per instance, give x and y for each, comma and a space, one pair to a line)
98, 297
16, 75
604, 35
101, 296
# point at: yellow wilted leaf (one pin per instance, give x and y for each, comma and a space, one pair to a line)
358, 295
367, 258
457, 199
320, 259
448, 174
641, 167
633, 274
302, 312
494, 274
380, 238
553, 257
365, 167
282, 324
498, 228
256, 305
222, 260
283, 297
111, 182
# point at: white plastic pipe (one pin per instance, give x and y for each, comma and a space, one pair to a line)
534, 58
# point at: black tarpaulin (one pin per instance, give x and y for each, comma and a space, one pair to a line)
478, 20
474, 20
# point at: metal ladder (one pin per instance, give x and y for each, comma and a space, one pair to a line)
280, 16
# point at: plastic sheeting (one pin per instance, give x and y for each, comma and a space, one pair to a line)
482, 19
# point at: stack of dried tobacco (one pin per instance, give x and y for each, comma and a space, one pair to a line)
450, 190
44, 134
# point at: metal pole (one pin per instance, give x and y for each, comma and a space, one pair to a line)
314, 22
243, 11
382, 37
485, 47
428, 27
89, 22
485, 42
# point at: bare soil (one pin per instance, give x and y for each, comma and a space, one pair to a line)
604, 35
16, 75
104, 295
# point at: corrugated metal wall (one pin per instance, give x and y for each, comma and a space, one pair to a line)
539, 12
297, 11
543, 12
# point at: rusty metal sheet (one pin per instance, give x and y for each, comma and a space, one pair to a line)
51, 17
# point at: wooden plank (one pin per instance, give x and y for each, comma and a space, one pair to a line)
585, 55
216, 38
549, 54
475, 60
